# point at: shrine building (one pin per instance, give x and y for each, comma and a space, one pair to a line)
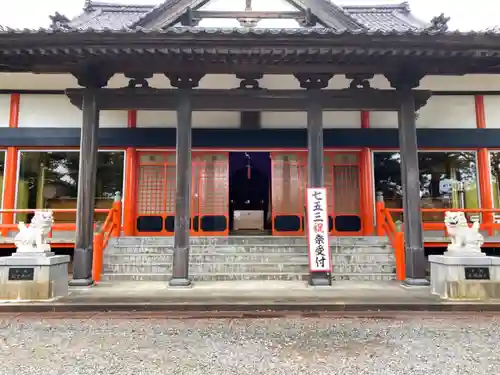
211, 119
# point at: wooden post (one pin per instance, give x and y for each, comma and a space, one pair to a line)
367, 193
404, 82
130, 199
315, 147
379, 207
117, 215
92, 78
180, 266
98, 256
82, 259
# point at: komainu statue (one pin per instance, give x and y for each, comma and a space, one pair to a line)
33, 238
463, 237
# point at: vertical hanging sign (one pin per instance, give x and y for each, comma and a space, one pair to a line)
317, 228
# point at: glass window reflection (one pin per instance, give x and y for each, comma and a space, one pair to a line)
49, 180
447, 180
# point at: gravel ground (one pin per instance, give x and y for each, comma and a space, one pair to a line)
261, 346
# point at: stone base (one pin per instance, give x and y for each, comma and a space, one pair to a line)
33, 276
180, 283
448, 277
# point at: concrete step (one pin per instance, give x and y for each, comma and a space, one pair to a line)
265, 248
244, 240
362, 258
245, 276
222, 249
207, 258
210, 241
363, 277
259, 268
337, 259
285, 276
364, 268
210, 268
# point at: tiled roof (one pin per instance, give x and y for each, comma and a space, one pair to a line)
99, 16
386, 17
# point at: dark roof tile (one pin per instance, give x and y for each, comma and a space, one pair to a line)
386, 17
396, 17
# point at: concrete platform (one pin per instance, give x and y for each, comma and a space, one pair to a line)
248, 296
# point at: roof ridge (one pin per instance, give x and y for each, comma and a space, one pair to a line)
90, 5
332, 9
404, 6
164, 5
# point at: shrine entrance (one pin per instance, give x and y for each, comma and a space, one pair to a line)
250, 192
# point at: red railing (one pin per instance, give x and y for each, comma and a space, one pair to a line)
387, 227
110, 228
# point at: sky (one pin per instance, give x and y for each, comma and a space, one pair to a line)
465, 15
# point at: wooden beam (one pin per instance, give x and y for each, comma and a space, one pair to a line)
201, 14
249, 100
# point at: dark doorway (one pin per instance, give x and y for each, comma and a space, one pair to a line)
250, 187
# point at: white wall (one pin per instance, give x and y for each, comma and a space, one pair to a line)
451, 112
492, 111
56, 111
4, 110
30, 81
440, 111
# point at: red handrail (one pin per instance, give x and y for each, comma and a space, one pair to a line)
387, 227
110, 228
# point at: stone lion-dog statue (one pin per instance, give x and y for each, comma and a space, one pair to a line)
33, 238
463, 237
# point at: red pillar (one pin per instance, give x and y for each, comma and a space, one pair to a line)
367, 193
483, 165
130, 199
10, 173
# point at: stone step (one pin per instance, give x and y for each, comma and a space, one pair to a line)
363, 277
245, 276
295, 249
207, 258
362, 258
362, 268
141, 258
257, 268
285, 276
245, 240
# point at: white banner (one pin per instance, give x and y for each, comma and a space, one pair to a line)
317, 228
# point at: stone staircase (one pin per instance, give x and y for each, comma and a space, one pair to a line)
246, 258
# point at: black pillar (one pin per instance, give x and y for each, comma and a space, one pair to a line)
315, 150
180, 266
416, 262
92, 79
82, 259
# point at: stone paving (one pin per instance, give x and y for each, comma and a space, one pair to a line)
405, 345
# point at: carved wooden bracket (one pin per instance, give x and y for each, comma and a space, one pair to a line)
250, 80
313, 80
185, 81
359, 81
93, 76
406, 78
138, 80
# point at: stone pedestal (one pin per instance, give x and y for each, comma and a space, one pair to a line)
465, 275
33, 276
